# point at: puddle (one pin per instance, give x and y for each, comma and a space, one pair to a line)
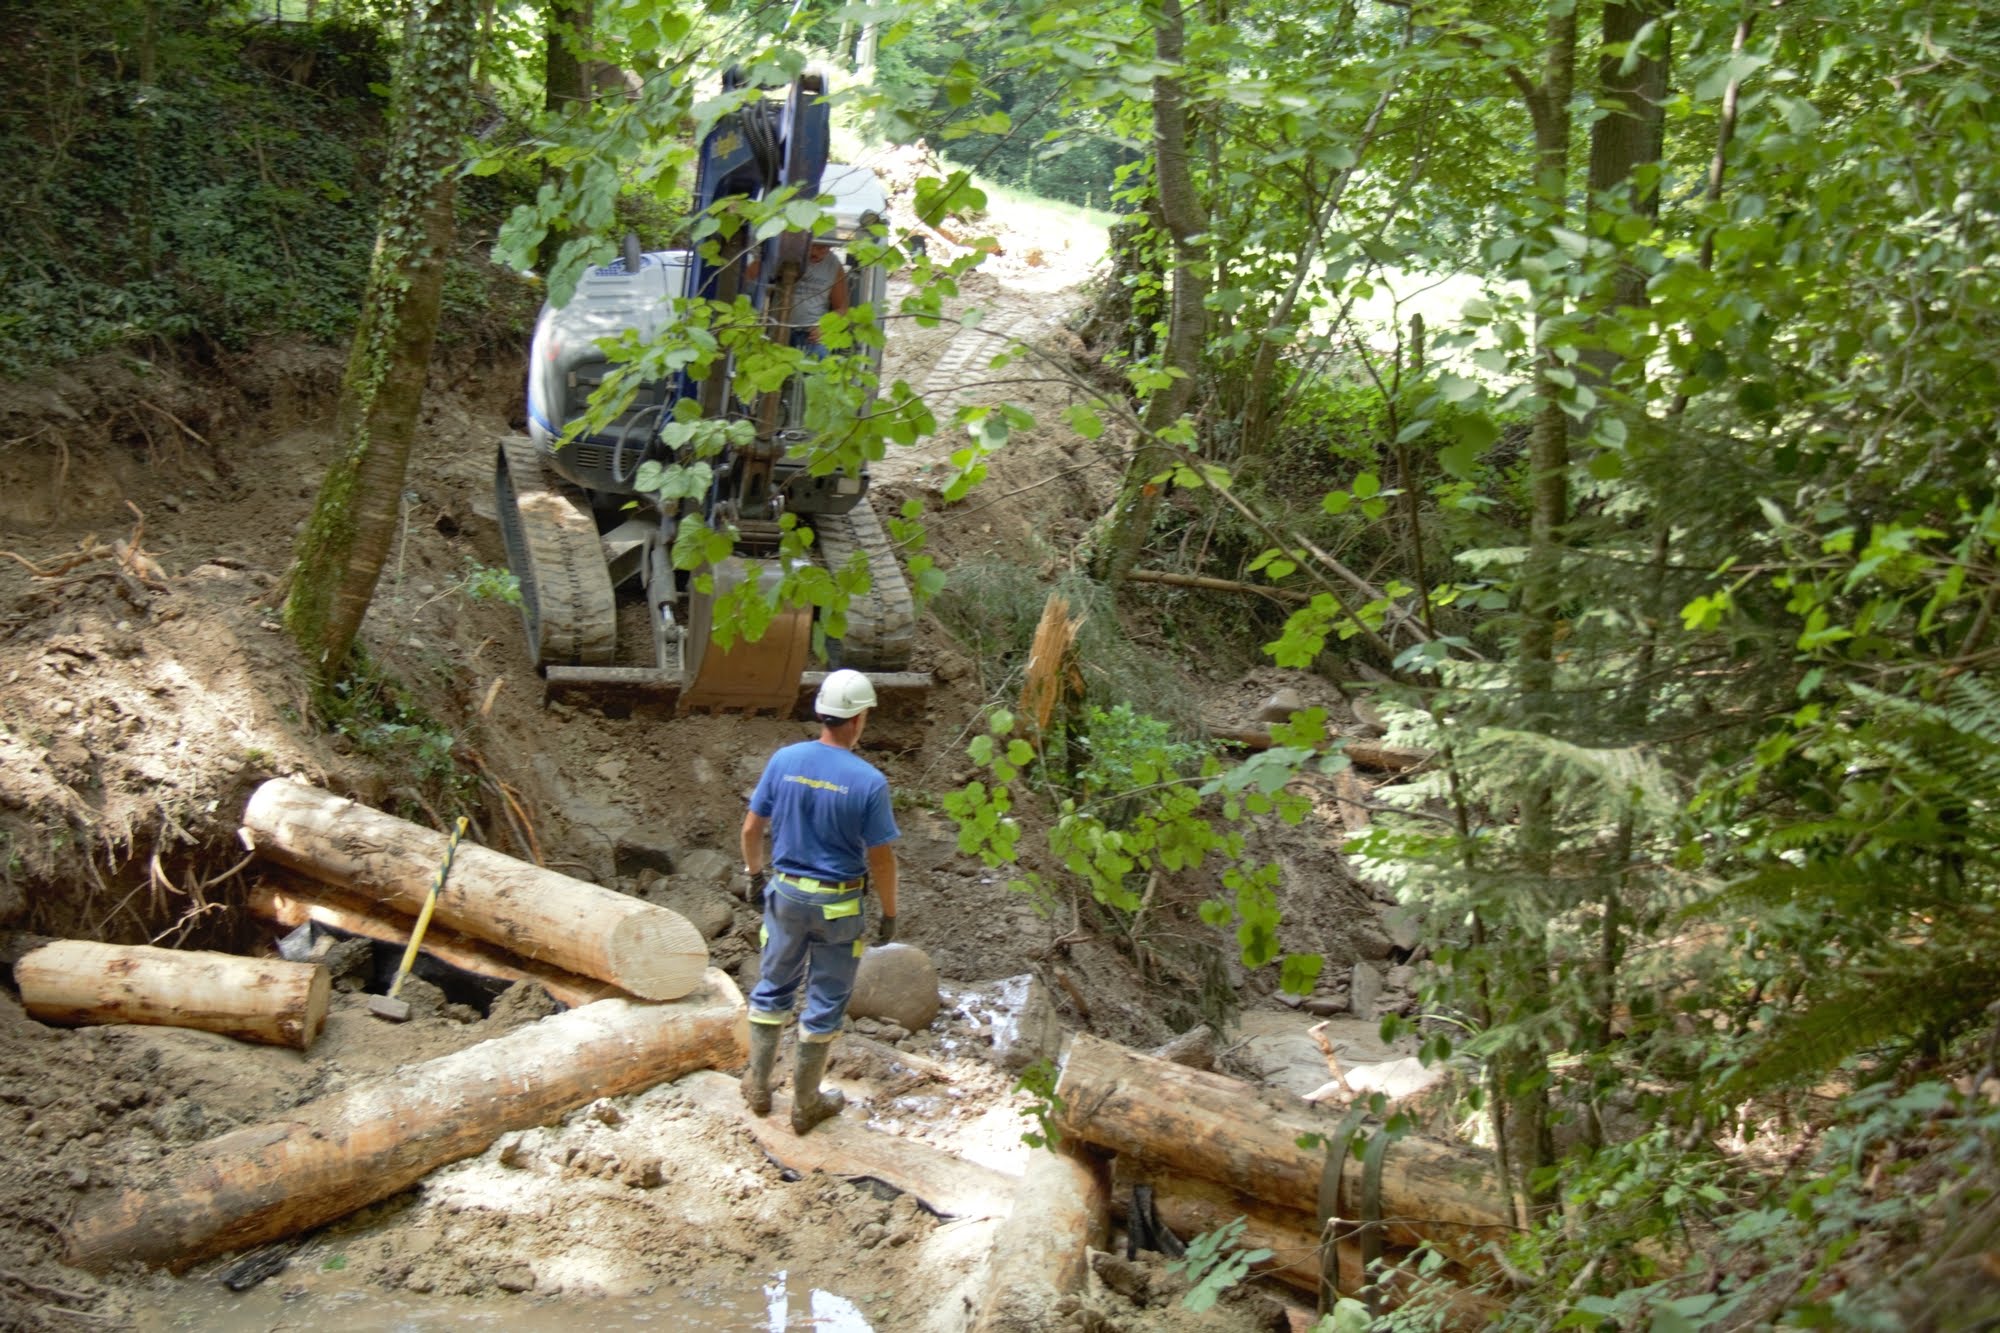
780, 1306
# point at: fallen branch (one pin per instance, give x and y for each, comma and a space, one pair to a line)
1217, 585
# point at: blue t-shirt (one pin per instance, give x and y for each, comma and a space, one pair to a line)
827, 807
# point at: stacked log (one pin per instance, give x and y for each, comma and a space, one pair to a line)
1197, 1136
79, 982
538, 915
329, 1157
292, 906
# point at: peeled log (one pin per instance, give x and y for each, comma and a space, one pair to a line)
293, 907
1221, 1129
533, 913
268, 1000
1041, 1252
329, 1157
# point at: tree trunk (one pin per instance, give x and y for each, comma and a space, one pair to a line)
74, 983
327, 1158
293, 906
566, 90
353, 523
1220, 1129
1624, 144
1522, 996
534, 913
1180, 208
1041, 1252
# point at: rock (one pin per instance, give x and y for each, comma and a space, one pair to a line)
707, 909
1371, 942
1280, 706
705, 864
515, 1278
604, 1113
1194, 1048
1029, 1029
747, 973
1371, 722
896, 982
349, 964
1364, 990
513, 1152
1133, 1281
522, 1002
635, 853
1401, 923
1326, 1006
181, 1121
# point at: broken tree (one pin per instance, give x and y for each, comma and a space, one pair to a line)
536, 914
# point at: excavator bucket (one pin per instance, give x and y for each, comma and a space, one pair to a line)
744, 677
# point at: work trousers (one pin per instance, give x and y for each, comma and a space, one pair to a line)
814, 938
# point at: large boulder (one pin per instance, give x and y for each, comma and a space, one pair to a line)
896, 982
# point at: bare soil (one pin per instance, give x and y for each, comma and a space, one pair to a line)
147, 515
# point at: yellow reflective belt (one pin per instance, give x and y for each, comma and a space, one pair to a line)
818, 886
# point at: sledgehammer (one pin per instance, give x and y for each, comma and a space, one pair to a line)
388, 1006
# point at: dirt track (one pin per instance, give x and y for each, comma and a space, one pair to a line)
143, 701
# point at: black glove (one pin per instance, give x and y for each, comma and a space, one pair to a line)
753, 888
885, 930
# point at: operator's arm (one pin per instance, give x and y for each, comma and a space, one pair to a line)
754, 826
882, 874
836, 295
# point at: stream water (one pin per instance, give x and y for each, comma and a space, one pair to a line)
781, 1305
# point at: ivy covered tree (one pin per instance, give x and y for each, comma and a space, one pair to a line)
353, 523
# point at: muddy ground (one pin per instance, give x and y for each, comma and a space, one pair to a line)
147, 516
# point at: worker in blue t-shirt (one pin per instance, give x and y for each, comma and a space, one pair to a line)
827, 811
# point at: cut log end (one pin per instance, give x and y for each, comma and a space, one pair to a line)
658, 955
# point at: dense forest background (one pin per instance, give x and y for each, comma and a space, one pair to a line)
1673, 535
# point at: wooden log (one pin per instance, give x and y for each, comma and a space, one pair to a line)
329, 1157
845, 1146
1191, 1206
291, 906
1222, 1129
1042, 1251
75, 983
536, 914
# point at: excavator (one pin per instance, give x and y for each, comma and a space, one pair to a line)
606, 611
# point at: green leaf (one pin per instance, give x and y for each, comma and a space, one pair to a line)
1083, 419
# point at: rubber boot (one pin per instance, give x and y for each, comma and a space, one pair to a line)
763, 1056
810, 1106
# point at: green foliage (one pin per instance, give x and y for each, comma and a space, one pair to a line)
1214, 1263
378, 718
1038, 1081
197, 181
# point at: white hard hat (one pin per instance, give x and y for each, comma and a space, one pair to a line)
843, 694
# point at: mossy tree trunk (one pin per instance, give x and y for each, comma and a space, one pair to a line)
1185, 219
347, 539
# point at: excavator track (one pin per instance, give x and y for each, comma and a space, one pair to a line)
554, 550
882, 624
